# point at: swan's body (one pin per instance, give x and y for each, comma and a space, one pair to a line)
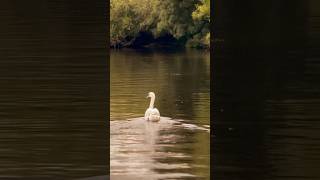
152, 114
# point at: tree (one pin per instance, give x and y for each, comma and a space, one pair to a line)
201, 16
183, 19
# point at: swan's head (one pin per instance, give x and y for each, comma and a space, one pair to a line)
151, 95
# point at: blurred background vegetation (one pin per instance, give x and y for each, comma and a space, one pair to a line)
136, 23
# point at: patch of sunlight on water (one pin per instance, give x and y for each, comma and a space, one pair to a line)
143, 149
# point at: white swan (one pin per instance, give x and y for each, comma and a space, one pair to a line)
152, 114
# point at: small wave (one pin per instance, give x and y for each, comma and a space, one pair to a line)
165, 122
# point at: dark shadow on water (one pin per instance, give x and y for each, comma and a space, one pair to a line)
53, 90
164, 50
266, 91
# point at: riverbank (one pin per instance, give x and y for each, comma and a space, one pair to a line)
147, 40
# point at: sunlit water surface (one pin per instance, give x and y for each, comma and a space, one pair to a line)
177, 147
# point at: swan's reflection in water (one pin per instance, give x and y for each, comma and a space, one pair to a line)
147, 150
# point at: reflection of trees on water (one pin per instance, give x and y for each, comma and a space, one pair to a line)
188, 80
178, 79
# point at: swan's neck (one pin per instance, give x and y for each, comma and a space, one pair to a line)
152, 102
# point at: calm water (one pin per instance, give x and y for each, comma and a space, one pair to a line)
267, 91
52, 90
267, 112
177, 147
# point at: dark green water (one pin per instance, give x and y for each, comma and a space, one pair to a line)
181, 82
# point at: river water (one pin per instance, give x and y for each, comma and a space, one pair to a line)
267, 113
267, 92
53, 84
178, 147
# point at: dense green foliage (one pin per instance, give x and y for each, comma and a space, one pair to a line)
186, 20
202, 16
